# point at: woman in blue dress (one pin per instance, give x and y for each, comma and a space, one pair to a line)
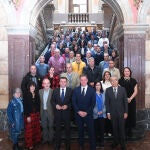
15, 117
99, 113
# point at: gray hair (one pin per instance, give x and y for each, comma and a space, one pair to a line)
57, 50
91, 58
88, 52
17, 90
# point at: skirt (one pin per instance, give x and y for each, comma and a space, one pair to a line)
32, 130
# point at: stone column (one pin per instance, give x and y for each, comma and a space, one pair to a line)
100, 3
3, 68
134, 57
20, 55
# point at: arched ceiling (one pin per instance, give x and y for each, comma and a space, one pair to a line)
116, 8
37, 9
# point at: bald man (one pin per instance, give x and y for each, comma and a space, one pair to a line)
46, 111
58, 62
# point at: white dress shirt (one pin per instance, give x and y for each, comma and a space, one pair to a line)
64, 91
85, 89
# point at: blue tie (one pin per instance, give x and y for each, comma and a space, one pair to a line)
62, 95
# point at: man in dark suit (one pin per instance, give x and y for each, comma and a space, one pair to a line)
117, 111
61, 101
83, 102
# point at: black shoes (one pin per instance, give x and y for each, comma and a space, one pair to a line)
114, 145
16, 147
81, 147
57, 147
123, 147
67, 146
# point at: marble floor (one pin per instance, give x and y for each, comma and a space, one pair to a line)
143, 144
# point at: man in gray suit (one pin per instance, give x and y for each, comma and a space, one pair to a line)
117, 111
46, 112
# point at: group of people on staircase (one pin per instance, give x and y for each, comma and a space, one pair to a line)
78, 79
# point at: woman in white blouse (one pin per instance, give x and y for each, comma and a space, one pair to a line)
106, 80
105, 84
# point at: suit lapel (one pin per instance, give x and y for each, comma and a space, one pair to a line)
80, 91
66, 93
59, 94
87, 91
113, 92
118, 92
42, 94
49, 96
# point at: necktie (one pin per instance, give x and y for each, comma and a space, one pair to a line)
83, 92
115, 92
62, 95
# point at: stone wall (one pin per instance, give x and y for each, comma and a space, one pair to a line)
3, 59
147, 73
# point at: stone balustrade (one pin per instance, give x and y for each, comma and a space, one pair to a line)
78, 17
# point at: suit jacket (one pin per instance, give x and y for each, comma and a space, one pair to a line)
84, 103
28, 78
75, 79
116, 106
49, 105
56, 99
93, 75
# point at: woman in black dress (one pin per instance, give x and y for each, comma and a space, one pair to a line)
130, 84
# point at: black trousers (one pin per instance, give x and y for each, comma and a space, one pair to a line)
99, 129
108, 126
62, 118
131, 120
118, 125
88, 120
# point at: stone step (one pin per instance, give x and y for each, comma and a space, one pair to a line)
138, 134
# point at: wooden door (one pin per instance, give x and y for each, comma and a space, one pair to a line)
134, 57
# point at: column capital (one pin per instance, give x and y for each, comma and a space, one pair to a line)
18, 30
21, 30
135, 29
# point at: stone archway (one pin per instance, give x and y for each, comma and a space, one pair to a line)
144, 17
130, 39
21, 45
3, 58
126, 35
122, 10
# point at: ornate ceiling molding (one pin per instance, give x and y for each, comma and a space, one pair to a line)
137, 3
16, 3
